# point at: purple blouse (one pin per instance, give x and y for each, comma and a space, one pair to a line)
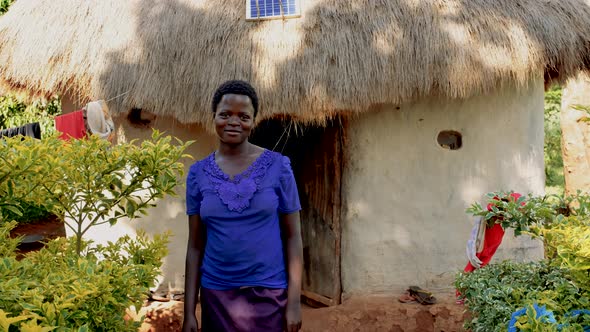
244, 246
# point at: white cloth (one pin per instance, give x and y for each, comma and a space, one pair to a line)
475, 242
99, 119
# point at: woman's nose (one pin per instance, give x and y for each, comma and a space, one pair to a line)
234, 120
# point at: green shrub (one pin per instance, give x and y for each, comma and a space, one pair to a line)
89, 182
69, 285
23, 170
494, 292
56, 288
561, 283
568, 245
15, 112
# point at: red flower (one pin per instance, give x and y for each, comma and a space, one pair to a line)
513, 196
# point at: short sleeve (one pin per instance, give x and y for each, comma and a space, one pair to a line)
287, 191
193, 193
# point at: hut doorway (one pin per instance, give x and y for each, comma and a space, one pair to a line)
316, 159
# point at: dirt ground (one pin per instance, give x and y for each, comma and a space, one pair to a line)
371, 313
36, 232
49, 228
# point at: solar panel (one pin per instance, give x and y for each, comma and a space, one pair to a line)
258, 9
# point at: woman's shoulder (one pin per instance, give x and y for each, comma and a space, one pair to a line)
280, 158
280, 162
197, 165
264, 155
274, 157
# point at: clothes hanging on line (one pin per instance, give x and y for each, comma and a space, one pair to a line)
30, 129
93, 119
71, 125
98, 120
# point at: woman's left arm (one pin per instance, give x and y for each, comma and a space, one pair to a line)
291, 229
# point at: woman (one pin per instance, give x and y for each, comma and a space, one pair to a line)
244, 249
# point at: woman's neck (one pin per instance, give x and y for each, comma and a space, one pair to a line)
234, 150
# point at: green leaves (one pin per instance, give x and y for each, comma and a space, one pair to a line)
4, 4
7, 244
528, 214
494, 292
12, 208
89, 182
24, 165
69, 285
6, 321
568, 244
54, 288
561, 282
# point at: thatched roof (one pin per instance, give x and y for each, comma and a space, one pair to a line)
339, 56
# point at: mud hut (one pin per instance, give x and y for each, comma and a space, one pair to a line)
397, 114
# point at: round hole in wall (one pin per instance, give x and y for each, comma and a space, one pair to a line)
450, 139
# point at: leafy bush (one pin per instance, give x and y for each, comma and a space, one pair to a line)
568, 244
560, 284
69, 285
494, 292
90, 182
54, 288
15, 112
23, 171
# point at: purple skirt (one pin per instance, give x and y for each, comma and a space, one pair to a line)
246, 309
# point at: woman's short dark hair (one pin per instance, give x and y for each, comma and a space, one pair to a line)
235, 87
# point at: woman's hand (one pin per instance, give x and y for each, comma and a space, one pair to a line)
293, 317
190, 324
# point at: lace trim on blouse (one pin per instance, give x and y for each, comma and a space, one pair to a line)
237, 193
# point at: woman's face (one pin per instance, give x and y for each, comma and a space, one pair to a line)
234, 118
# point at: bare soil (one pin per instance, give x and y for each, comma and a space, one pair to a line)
368, 313
37, 232
50, 228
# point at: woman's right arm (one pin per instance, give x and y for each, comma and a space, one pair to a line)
192, 277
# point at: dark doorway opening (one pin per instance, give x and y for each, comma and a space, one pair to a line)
316, 158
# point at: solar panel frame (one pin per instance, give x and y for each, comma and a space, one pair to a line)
257, 10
